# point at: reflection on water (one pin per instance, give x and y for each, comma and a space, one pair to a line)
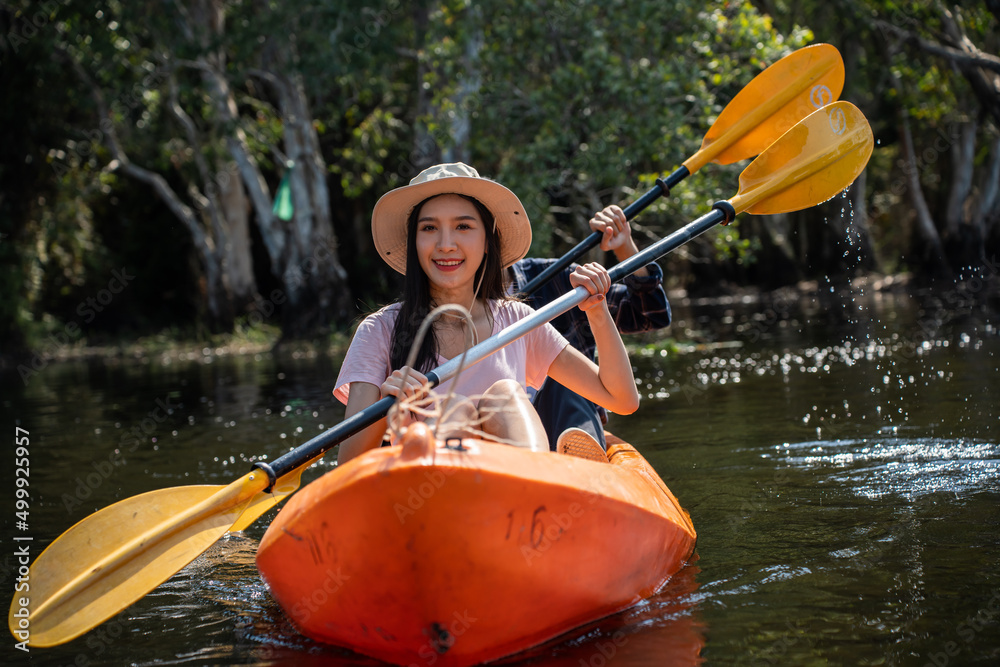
662, 630
841, 462
908, 468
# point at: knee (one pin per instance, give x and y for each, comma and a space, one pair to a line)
506, 389
459, 408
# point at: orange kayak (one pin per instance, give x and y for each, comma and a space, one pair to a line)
456, 553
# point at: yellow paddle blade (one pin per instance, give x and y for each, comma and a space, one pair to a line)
809, 164
776, 99
115, 556
265, 500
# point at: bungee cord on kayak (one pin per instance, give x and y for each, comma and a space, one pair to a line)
431, 408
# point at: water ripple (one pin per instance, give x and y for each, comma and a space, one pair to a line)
910, 468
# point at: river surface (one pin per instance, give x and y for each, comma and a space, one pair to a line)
840, 460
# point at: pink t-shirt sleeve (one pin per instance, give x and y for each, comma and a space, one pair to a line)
367, 358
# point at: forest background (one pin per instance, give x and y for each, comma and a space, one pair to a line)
185, 168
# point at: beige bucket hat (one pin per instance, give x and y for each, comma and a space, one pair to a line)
393, 209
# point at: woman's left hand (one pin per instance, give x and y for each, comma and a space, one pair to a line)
595, 278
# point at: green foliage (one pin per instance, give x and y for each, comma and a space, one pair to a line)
584, 104
663, 347
47, 239
373, 138
890, 72
728, 244
254, 333
574, 104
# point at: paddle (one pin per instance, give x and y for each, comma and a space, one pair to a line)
776, 99
113, 557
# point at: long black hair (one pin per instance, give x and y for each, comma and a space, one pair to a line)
416, 302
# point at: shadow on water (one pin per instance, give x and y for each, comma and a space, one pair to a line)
840, 460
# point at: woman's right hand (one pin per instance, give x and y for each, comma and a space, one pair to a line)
403, 383
595, 278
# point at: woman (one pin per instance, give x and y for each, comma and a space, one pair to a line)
453, 234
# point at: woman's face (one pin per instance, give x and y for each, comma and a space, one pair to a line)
451, 241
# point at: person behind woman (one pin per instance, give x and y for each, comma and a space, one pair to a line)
453, 234
637, 304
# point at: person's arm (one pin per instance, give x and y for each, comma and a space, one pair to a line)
616, 235
611, 384
640, 304
362, 395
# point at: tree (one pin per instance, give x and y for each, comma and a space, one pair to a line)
928, 78
576, 105
55, 198
218, 154
969, 216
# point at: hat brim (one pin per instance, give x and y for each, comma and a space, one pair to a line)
393, 210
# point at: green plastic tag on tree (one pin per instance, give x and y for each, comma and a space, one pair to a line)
283, 207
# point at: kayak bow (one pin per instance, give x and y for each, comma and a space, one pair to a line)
467, 551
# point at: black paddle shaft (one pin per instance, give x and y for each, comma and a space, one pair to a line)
661, 189
722, 212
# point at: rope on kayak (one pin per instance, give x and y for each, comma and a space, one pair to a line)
418, 403
454, 418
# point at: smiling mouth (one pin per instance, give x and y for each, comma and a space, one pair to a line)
448, 263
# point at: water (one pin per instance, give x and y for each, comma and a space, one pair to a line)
840, 460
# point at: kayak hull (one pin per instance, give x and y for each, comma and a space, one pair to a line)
421, 553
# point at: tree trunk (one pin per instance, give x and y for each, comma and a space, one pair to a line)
426, 151
963, 154
218, 300
989, 195
963, 237
223, 208
847, 218
987, 213
237, 257
302, 251
859, 232
871, 259
925, 223
314, 277
467, 89
220, 196
777, 265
